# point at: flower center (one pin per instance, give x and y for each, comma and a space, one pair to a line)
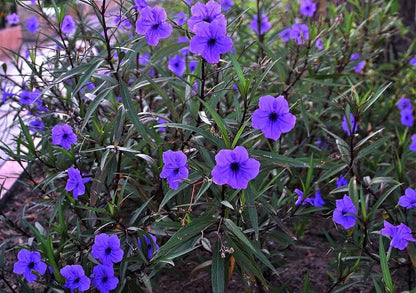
65, 136
176, 64
235, 167
76, 280
108, 250
176, 171
155, 26
105, 279
31, 265
207, 19
211, 42
273, 116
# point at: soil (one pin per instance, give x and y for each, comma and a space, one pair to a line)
312, 254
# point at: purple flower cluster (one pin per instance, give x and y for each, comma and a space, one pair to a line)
152, 23
298, 32
406, 112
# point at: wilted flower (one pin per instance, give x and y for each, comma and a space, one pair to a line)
75, 182
75, 278
273, 117
299, 32
152, 23
319, 45
28, 261
181, 18
347, 127
234, 168
175, 168
36, 125
265, 25
104, 279
400, 235
404, 104
341, 181
177, 64
149, 245
211, 41
344, 212
300, 197
64, 136
107, 249
68, 25
406, 117
32, 24
413, 144
13, 19
318, 201
226, 4
307, 8
408, 199
206, 13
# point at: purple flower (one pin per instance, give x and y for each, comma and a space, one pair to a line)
404, 104
32, 1
399, 235
184, 51
285, 34
355, 56
319, 45
189, 2
140, 4
144, 58
344, 211
175, 168
408, 200
413, 144
149, 245
107, 249
300, 197
205, 13
64, 136
161, 121
75, 278
27, 98
104, 279
265, 25
75, 182
13, 19
68, 25
211, 41
192, 66
359, 66
181, 18
152, 23
318, 201
406, 117
6, 94
32, 24
28, 261
88, 87
124, 25
307, 8
413, 61
36, 125
341, 181
321, 143
234, 168
299, 32
347, 127
273, 117
177, 65
226, 4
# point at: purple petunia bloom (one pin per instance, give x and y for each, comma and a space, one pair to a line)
175, 168
211, 41
13, 19
75, 278
192, 66
226, 4
406, 117
32, 24
344, 211
285, 34
28, 261
273, 117
177, 65
36, 125
307, 8
27, 98
299, 32
408, 199
413, 61
68, 25
404, 104
205, 14
265, 25
161, 121
103, 278
319, 45
149, 246
64, 136
75, 182
181, 18
413, 144
144, 58
107, 249
400, 235
347, 127
359, 66
234, 168
152, 23
341, 181
140, 4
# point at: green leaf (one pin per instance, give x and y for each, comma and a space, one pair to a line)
217, 269
218, 120
385, 267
